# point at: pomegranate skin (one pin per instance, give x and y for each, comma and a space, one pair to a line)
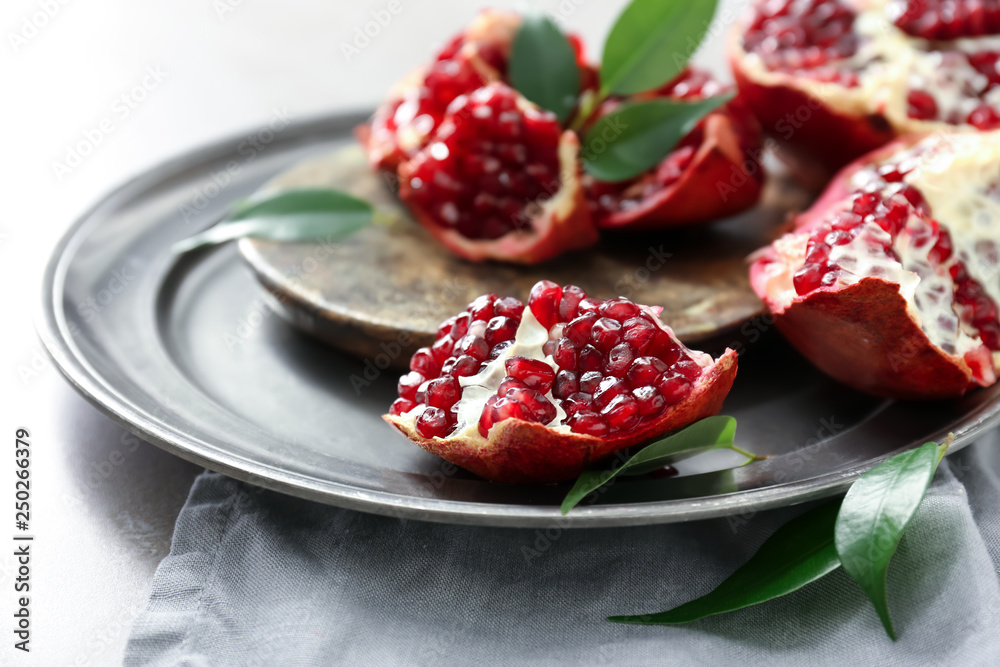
718, 182
522, 452
561, 224
825, 136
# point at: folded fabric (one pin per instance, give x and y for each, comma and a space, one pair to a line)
259, 578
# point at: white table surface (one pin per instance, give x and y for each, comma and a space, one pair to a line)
104, 503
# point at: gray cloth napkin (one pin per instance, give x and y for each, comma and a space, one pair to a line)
258, 578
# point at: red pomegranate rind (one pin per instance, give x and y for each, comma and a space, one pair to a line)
836, 79
540, 214
534, 394
522, 452
712, 173
867, 333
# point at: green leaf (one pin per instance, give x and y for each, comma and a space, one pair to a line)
651, 43
288, 215
543, 66
636, 137
799, 553
709, 433
874, 514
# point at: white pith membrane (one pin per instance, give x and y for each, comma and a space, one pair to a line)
957, 176
888, 64
528, 341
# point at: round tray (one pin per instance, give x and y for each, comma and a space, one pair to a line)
185, 352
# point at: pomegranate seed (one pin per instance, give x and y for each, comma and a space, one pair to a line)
578, 330
442, 392
984, 117
589, 359
401, 406
461, 366
423, 362
664, 347
618, 309
605, 334
921, 105
674, 388
619, 360
445, 328
649, 400
567, 382
482, 308
544, 302
432, 422
534, 405
500, 348
589, 381
508, 384
588, 423
461, 326
607, 389
688, 368
472, 345
441, 349
565, 353
863, 205
571, 298
534, 373
639, 333
622, 413
589, 305
508, 306
408, 384
646, 371
577, 402
500, 329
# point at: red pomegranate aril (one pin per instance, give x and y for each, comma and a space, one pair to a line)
508, 384
401, 406
607, 389
589, 423
460, 327
500, 329
408, 385
590, 381
442, 392
472, 345
571, 298
441, 349
618, 309
605, 334
589, 359
577, 402
534, 406
619, 360
646, 371
688, 368
424, 363
461, 366
984, 117
508, 306
649, 400
544, 302
864, 204
664, 347
534, 373
639, 333
674, 388
566, 383
497, 409
578, 330
565, 353
432, 422
482, 307
921, 105
622, 413
588, 305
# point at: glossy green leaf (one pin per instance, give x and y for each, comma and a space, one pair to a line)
799, 553
874, 514
543, 65
637, 137
651, 43
709, 433
288, 215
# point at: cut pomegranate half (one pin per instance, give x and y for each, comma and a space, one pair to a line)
500, 180
713, 172
890, 282
839, 78
536, 394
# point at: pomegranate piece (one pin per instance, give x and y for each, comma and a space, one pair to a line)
526, 416
712, 173
836, 79
890, 282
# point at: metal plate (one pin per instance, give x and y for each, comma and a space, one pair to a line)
186, 354
393, 282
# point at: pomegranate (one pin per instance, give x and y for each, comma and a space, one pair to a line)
890, 282
713, 172
535, 394
839, 78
